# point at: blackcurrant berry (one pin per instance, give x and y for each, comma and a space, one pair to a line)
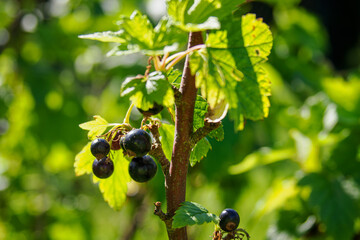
142, 169
137, 142
103, 168
152, 111
100, 148
229, 220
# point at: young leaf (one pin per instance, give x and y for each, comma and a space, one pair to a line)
114, 188
83, 161
137, 34
218, 133
200, 110
229, 68
167, 138
145, 91
200, 15
108, 36
190, 213
96, 127
199, 151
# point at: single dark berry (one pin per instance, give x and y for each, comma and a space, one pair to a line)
229, 220
137, 142
100, 148
103, 168
152, 111
142, 169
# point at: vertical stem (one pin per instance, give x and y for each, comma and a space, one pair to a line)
184, 112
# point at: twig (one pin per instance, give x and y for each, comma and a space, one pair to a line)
157, 150
203, 131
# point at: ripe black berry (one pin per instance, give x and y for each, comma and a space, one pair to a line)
100, 148
137, 142
142, 169
152, 111
229, 220
103, 168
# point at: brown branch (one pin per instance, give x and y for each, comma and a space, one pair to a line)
157, 150
163, 216
184, 112
203, 132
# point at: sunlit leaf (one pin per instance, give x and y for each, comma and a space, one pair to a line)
167, 138
190, 213
200, 15
280, 193
108, 36
83, 161
96, 127
145, 91
200, 110
137, 34
229, 68
199, 151
262, 157
114, 188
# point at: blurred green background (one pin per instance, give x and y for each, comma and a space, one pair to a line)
295, 175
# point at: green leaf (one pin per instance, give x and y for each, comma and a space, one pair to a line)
218, 133
108, 36
199, 151
114, 188
200, 15
229, 68
190, 213
336, 208
145, 91
167, 138
200, 110
96, 127
174, 77
201, 10
83, 161
137, 34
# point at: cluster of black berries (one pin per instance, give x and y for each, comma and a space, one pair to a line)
138, 143
135, 143
102, 166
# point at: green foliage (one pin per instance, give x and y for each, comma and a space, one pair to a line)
96, 127
229, 68
199, 151
190, 213
167, 138
200, 110
137, 34
114, 188
144, 91
200, 15
337, 209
